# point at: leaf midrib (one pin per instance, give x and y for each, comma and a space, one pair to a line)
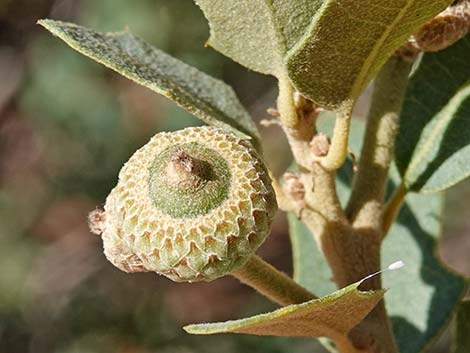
375, 50
309, 29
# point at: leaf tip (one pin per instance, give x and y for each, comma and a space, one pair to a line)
209, 43
44, 22
188, 329
195, 329
50, 25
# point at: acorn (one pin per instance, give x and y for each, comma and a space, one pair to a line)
192, 205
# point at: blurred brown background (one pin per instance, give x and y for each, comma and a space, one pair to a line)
66, 127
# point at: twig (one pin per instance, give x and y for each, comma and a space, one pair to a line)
367, 197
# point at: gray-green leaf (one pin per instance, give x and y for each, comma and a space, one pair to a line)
423, 295
332, 316
462, 336
207, 98
330, 49
258, 33
310, 267
433, 144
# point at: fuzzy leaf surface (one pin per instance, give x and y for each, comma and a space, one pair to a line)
433, 144
423, 295
258, 33
207, 98
330, 49
332, 316
462, 337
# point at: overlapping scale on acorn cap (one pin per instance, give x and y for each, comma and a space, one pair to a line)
195, 228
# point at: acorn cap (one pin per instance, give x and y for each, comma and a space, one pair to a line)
192, 205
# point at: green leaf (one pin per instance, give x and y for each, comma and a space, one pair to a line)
433, 144
207, 98
330, 49
332, 316
310, 267
424, 293
258, 33
462, 337
348, 43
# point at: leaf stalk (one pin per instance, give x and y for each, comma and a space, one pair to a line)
286, 104
339, 142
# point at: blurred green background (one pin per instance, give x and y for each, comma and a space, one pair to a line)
67, 125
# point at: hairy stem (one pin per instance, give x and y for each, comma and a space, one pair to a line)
299, 141
365, 206
352, 248
371, 180
321, 195
272, 283
298, 127
392, 208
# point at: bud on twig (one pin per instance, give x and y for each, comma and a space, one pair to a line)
446, 28
440, 33
409, 50
320, 145
305, 108
294, 188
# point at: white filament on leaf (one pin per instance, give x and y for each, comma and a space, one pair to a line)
392, 267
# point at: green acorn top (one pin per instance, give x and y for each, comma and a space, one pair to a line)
192, 205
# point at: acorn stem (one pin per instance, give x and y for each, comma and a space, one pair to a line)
272, 283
